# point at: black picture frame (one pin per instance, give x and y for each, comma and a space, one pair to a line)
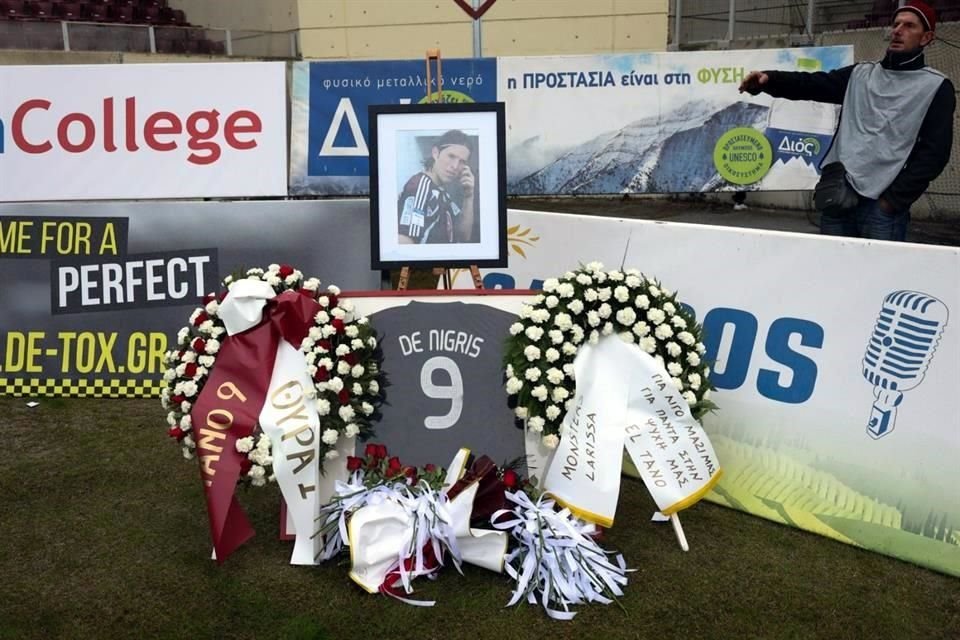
405, 136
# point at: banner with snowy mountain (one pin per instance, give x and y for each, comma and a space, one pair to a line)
661, 123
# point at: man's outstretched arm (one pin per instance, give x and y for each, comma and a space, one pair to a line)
821, 86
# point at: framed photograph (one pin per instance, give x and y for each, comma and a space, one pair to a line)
438, 185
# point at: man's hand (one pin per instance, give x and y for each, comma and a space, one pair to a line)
467, 181
885, 206
754, 82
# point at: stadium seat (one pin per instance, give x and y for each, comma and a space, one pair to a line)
122, 13
14, 9
42, 10
70, 10
148, 15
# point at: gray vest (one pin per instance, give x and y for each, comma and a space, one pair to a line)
882, 113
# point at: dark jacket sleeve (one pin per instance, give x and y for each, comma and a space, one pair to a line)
930, 153
821, 86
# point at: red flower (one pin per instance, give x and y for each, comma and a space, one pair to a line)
393, 465
199, 345
285, 270
510, 478
430, 468
325, 344
191, 369
354, 463
245, 466
372, 451
176, 432
333, 301
322, 375
343, 396
381, 450
411, 475
200, 319
351, 359
338, 324
207, 299
177, 399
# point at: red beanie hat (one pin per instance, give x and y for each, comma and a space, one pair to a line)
924, 11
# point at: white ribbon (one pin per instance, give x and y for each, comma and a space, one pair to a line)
242, 309
557, 561
625, 398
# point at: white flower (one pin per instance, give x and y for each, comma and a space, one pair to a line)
537, 300
621, 294
551, 441
641, 328
273, 281
701, 349
333, 454
330, 437
335, 290
648, 344
258, 482
323, 407
172, 418
352, 331
686, 338
357, 371
170, 374
550, 284
593, 318
206, 361
552, 301
626, 316
526, 310
633, 281
509, 370
584, 279
653, 291
520, 412
311, 284
185, 407
292, 278
532, 374
187, 453
552, 355
188, 442
553, 412
669, 308
326, 363
535, 424
615, 275
706, 394
575, 306
343, 368
531, 353
605, 310
656, 316
673, 349
189, 356
351, 431
366, 408
559, 394
245, 445
514, 385
190, 389
534, 333
556, 336
569, 349
690, 398
342, 350
565, 290
577, 334
539, 392
256, 471
693, 359
327, 330
694, 380
641, 301
569, 370
604, 294
626, 337
337, 312
183, 336
261, 457
674, 369
590, 295
554, 375
540, 316
594, 337
663, 332
373, 387
335, 384
213, 345
678, 383
608, 328
516, 328
563, 321
678, 322
186, 422
346, 413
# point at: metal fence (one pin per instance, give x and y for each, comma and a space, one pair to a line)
94, 36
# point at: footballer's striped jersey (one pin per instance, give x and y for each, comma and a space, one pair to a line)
426, 211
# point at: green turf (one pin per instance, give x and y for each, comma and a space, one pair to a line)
103, 534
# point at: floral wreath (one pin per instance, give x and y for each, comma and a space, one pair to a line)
340, 353
580, 308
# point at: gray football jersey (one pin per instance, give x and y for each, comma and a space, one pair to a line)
444, 373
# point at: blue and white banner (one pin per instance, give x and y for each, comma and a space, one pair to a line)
329, 153
661, 122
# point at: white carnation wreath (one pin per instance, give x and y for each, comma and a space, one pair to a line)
341, 357
579, 309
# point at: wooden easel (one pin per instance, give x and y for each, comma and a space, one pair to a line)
433, 55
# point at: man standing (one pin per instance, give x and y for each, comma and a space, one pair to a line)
428, 213
895, 130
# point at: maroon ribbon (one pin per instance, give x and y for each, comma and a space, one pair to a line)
229, 407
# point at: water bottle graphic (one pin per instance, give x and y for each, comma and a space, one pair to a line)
899, 351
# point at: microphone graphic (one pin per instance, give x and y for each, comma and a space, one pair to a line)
904, 338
